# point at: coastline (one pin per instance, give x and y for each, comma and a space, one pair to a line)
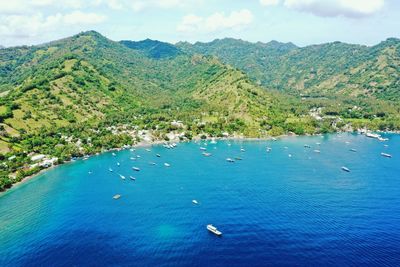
143, 144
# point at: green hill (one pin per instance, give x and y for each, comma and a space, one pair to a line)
84, 94
318, 70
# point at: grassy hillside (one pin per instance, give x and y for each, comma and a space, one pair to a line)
84, 94
318, 70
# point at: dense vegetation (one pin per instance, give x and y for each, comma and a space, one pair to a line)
317, 70
85, 94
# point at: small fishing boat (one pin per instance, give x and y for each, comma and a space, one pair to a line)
242, 149
117, 196
138, 156
132, 178
114, 154
230, 160
118, 164
307, 146
111, 170
136, 169
317, 151
122, 177
290, 155
167, 165
386, 155
194, 201
203, 148
345, 169
152, 163
206, 154
148, 150
238, 158
213, 230
353, 150
158, 155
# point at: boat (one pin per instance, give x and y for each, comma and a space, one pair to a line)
269, 149
158, 155
132, 158
167, 165
203, 148
148, 150
138, 156
116, 196
372, 135
206, 154
386, 155
136, 169
152, 163
194, 201
345, 169
242, 149
213, 230
307, 146
114, 154
317, 151
353, 150
122, 177
132, 178
111, 170
118, 164
89, 172
318, 144
230, 160
238, 158
290, 155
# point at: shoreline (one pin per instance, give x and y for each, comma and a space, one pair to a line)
144, 144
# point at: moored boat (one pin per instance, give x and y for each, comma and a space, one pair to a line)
386, 155
136, 169
117, 196
345, 169
213, 230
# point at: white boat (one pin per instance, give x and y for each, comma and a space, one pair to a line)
116, 196
132, 178
122, 177
148, 150
238, 158
372, 135
386, 155
353, 150
242, 149
167, 165
152, 163
118, 164
345, 169
158, 155
136, 169
111, 170
114, 154
138, 156
203, 148
317, 151
206, 154
269, 149
290, 155
194, 201
230, 160
213, 230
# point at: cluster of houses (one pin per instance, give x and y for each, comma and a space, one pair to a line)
42, 161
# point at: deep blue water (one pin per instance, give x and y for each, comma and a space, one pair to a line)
272, 209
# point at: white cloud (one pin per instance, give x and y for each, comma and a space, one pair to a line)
215, 22
269, 2
333, 8
78, 17
26, 26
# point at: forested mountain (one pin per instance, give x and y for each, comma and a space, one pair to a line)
317, 70
86, 93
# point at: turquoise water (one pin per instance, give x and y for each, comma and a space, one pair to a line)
272, 209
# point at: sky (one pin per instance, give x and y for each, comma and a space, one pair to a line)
303, 22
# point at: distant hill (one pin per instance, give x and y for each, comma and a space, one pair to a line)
317, 70
154, 49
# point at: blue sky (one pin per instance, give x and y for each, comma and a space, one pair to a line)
302, 22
